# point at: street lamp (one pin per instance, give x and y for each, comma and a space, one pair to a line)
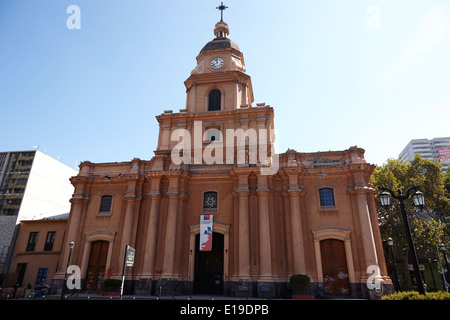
71, 245
419, 201
385, 199
442, 248
390, 243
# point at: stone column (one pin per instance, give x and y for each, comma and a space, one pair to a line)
265, 255
152, 228
165, 136
171, 223
73, 231
191, 98
77, 212
366, 232
133, 196
180, 223
127, 227
376, 233
244, 231
296, 225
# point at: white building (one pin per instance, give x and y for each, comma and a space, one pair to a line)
437, 149
33, 185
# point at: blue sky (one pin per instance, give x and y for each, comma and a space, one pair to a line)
372, 73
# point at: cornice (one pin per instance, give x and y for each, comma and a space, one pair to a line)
215, 77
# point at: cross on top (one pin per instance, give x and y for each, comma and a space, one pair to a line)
222, 7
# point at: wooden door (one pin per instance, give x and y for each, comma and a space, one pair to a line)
334, 266
96, 267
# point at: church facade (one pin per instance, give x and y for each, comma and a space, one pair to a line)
268, 216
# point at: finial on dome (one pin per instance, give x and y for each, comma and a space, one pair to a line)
222, 7
221, 30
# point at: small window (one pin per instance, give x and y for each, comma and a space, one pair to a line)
214, 103
210, 200
49, 241
32, 241
213, 135
105, 205
326, 197
41, 276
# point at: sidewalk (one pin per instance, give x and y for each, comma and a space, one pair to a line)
96, 296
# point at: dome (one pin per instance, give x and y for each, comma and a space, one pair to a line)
221, 41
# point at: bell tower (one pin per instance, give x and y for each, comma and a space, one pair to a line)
218, 114
219, 81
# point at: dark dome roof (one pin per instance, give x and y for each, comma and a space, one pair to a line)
220, 43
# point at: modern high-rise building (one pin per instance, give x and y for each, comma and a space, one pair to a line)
437, 149
33, 185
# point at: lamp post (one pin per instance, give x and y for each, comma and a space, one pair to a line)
431, 271
419, 200
71, 245
442, 248
390, 243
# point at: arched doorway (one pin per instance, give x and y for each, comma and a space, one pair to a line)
334, 265
209, 267
96, 266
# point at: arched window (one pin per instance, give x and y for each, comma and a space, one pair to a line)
105, 205
214, 100
210, 200
213, 134
326, 197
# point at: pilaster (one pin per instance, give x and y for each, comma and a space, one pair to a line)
152, 228
171, 223
243, 227
265, 255
298, 250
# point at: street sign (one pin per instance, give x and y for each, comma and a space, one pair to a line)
128, 261
411, 267
130, 254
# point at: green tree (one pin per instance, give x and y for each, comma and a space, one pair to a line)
427, 233
428, 226
447, 183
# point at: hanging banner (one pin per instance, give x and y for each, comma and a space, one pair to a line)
206, 226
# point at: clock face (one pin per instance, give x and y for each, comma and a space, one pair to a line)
217, 63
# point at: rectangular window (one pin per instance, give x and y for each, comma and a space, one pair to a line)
32, 241
41, 276
49, 241
326, 197
105, 205
20, 269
